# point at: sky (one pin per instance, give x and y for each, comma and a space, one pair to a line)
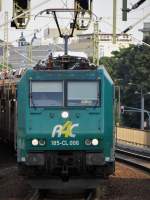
103, 9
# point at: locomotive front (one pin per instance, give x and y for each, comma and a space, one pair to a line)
65, 126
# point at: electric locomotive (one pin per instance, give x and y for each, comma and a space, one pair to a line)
65, 130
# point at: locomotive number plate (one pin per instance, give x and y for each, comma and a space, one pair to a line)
65, 143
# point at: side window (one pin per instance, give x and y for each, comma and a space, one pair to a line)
83, 93
48, 93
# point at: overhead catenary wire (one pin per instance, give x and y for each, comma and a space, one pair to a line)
133, 25
23, 13
54, 11
34, 46
144, 43
16, 40
143, 8
108, 23
27, 58
136, 5
105, 22
28, 35
64, 18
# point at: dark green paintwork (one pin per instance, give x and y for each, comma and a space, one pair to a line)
94, 122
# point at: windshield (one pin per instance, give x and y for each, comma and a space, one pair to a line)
52, 93
83, 93
48, 93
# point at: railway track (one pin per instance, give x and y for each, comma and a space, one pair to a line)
8, 170
38, 195
35, 195
135, 159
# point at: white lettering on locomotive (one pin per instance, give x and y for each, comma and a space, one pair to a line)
66, 130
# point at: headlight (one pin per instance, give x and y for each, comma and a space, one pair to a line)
88, 142
64, 114
95, 142
42, 142
35, 142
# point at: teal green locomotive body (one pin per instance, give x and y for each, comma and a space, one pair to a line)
65, 127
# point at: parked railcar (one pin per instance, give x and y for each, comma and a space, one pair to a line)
8, 110
65, 124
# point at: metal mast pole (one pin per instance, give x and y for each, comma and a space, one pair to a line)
96, 43
0, 5
30, 53
142, 110
5, 47
119, 104
114, 20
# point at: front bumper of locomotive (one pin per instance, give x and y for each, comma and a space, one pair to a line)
53, 168
66, 170
55, 159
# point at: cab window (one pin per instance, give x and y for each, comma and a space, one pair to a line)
44, 94
83, 93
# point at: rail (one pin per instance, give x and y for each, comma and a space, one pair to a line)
134, 159
34, 195
7, 171
42, 195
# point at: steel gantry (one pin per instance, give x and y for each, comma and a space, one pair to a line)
19, 7
5, 46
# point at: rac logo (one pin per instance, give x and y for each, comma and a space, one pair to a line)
65, 130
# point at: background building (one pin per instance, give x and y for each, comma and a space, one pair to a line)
84, 43
27, 54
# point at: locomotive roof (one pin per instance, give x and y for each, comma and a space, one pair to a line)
61, 61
